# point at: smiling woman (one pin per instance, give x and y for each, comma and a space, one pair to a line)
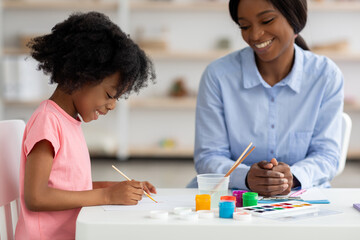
275, 93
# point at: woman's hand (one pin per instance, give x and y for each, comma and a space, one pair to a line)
285, 169
264, 180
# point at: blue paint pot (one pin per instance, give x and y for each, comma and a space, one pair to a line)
226, 209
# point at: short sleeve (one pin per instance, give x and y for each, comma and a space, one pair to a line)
45, 126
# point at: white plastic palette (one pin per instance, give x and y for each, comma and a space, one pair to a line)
289, 207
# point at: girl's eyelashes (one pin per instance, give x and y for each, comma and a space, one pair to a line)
109, 96
244, 27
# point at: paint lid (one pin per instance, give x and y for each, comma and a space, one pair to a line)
250, 195
159, 214
242, 216
228, 198
239, 193
206, 214
182, 210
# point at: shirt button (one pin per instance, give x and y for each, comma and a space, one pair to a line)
272, 99
272, 151
272, 125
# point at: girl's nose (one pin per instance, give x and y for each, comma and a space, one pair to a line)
111, 105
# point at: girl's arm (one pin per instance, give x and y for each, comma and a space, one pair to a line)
105, 184
40, 197
148, 187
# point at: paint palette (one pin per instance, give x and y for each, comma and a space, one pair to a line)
296, 207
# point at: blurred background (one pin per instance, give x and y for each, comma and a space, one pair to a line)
150, 136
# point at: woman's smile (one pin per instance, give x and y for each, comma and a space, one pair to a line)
263, 44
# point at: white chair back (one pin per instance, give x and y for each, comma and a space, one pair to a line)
345, 139
11, 133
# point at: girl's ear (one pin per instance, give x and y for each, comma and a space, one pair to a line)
296, 35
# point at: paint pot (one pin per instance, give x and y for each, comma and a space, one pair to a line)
216, 185
159, 214
228, 199
226, 209
250, 199
238, 194
203, 202
242, 216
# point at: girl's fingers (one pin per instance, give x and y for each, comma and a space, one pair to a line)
149, 187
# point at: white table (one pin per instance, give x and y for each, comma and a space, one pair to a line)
96, 223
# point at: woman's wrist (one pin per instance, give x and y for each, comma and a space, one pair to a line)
296, 182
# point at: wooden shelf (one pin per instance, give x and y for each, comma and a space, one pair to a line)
146, 103
223, 6
155, 151
187, 54
164, 103
214, 54
177, 6
96, 151
352, 153
16, 51
334, 6
352, 107
158, 55
59, 5
340, 56
22, 103
157, 6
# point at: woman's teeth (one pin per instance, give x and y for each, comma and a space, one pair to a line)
264, 44
97, 113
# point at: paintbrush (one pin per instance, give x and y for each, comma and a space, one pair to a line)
122, 174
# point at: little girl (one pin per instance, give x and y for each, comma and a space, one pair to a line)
93, 63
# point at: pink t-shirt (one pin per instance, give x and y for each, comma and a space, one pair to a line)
71, 170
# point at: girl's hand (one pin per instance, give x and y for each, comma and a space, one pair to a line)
264, 180
124, 193
148, 187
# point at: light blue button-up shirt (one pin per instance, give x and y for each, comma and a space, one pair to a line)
297, 121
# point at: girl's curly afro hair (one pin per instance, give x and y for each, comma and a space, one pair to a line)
86, 48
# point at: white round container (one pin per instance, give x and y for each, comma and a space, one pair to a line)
182, 210
206, 214
242, 216
159, 214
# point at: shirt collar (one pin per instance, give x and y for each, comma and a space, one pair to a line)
252, 77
